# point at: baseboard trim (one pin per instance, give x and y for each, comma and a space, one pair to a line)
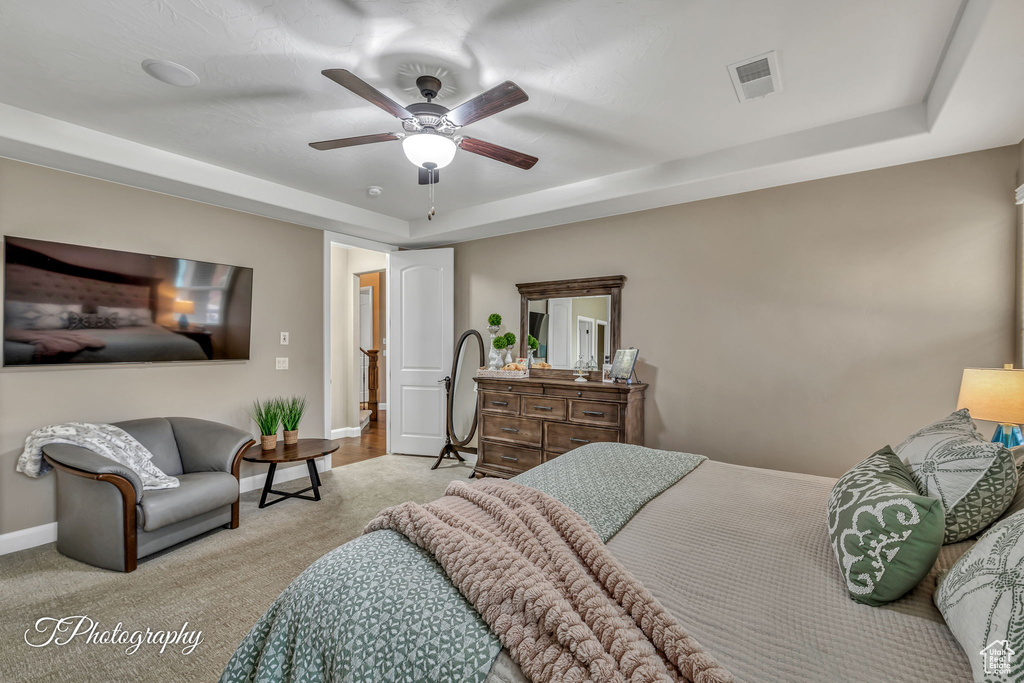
346, 432
255, 482
24, 539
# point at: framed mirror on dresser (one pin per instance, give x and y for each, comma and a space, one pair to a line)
525, 422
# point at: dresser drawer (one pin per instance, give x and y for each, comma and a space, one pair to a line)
494, 402
510, 457
592, 412
560, 437
519, 388
511, 429
543, 407
594, 394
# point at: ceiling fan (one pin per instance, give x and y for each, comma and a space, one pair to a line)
431, 131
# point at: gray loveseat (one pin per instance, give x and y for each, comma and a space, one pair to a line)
105, 519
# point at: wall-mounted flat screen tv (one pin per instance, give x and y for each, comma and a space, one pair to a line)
68, 304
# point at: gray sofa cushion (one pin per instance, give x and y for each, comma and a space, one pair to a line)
156, 435
199, 492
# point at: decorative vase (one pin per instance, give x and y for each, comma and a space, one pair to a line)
509, 358
494, 358
529, 358
291, 437
268, 441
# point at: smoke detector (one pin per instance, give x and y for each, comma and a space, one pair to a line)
756, 77
374, 190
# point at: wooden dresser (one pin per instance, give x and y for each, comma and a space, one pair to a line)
524, 422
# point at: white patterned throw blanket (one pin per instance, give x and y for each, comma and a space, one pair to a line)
106, 440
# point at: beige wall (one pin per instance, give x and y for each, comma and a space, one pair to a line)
800, 327
287, 291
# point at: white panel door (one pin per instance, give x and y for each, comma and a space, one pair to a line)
421, 309
560, 334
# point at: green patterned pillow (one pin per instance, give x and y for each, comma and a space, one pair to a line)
885, 534
975, 479
982, 600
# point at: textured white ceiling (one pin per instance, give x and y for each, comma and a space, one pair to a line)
613, 85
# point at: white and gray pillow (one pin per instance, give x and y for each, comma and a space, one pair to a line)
92, 321
31, 315
975, 479
982, 601
128, 317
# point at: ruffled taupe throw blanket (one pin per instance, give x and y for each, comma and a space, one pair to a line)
541, 578
107, 440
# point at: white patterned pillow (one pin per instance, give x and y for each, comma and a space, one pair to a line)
29, 315
127, 317
975, 479
981, 601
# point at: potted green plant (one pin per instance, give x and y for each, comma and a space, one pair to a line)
532, 345
497, 358
292, 410
510, 344
494, 358
267, 416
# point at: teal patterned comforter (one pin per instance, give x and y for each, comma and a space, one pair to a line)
380, 609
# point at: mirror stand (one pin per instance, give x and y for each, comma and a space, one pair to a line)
459, 388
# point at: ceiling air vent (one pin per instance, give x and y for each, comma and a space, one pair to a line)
756, 77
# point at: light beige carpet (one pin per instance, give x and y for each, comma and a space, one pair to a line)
219, 583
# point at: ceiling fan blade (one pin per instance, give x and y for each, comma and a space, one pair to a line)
498, 153
499, 98
352, 142
349, 80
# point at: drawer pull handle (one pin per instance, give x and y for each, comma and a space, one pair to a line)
593, 412
509, 389
579, 393
509, 429
579, 440
543, 408
499, 403
509, 457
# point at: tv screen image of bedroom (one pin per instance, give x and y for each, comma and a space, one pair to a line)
67, 304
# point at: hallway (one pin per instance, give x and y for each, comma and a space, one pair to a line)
370, 444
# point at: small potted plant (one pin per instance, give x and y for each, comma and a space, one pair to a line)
510, 343
292, 410
267, 416
495, 356
497, 359
531, 348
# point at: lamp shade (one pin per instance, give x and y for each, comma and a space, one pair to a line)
186, 307
993, 395
423, 148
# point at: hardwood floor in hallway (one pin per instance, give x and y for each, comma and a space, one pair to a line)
370, 444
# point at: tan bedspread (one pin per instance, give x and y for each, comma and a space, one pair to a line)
741, 556
548, 587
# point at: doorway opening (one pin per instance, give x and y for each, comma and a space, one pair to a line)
355, 348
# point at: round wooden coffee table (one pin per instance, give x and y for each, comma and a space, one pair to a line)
305, 449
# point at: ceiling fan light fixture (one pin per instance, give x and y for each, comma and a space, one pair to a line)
429, 148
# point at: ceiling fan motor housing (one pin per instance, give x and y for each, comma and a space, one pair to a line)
429, 86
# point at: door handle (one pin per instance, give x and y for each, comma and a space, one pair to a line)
499, 403
508, 457
593, 412
509, 429
543, 408
579, 440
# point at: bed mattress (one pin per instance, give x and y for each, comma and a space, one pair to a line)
741, 557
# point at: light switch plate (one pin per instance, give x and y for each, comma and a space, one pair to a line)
284, 339
282, 363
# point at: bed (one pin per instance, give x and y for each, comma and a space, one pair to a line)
140, 343
739, 555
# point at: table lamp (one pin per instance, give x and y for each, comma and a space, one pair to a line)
186, 308
995, 395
